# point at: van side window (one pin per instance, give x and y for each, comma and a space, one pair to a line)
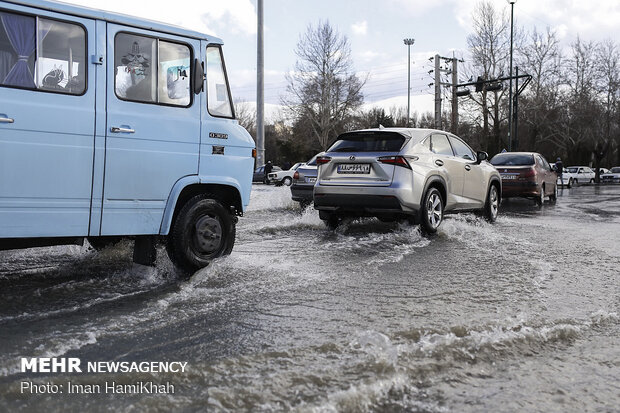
150, 70
218, 92
40, 53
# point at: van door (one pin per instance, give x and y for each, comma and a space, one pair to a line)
47, 121
153, 127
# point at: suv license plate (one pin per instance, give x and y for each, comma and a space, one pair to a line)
504, 176
354, 168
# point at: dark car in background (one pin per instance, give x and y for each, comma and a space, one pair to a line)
259, 173
613, 176
304, 179
526, 175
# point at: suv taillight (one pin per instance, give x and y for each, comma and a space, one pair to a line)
320, 160
395, 160
296, 175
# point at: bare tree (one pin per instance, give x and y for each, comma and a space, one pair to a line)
490, 51
246, 116
541, 58
581, 114
323, 89
608, 66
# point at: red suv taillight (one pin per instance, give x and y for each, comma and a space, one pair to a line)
320, 160
296, 175
395, 160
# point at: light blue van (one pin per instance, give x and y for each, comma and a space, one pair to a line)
114, 126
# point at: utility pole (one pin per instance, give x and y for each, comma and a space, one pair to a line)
260, 89
438, 84
512, 8
409, 42
516, 110
455, 102
437, 93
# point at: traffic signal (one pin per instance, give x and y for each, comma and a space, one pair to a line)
479, 84
494, 86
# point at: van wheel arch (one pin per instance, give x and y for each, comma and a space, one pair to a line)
227, 195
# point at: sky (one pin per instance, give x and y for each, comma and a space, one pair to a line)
375, 31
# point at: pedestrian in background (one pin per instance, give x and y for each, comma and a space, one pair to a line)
559, 168
268, 169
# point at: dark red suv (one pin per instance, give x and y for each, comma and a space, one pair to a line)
526, 175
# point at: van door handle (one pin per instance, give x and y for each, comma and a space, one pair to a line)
115, 129
6, 120
467, 167
439, 162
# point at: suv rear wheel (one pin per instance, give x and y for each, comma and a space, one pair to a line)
330, 219
203, 231
491, 207
432, 211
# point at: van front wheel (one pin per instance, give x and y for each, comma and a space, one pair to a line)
203, 231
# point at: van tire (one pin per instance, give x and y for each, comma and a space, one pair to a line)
202, 231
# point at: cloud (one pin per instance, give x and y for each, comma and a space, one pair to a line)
417, 8
205, 16
593, 19
360, 28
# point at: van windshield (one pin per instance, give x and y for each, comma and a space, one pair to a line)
512, 159
218, 92
368, 142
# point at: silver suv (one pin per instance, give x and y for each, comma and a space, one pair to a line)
395, 173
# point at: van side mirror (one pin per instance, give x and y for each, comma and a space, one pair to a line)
199, 77
481, 156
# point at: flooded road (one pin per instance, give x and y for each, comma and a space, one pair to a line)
520, 315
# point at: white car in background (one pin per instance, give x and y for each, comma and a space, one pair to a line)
284, 177
575, 175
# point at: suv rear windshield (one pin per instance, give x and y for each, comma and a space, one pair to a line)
312, 162
368, 142
511, 159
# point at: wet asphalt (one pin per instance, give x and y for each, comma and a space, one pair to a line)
519, 315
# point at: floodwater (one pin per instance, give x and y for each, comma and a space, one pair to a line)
520, 315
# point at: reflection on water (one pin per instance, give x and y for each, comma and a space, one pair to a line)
370, 317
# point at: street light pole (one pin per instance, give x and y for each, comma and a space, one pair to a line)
408, 42
260, 88
512, 7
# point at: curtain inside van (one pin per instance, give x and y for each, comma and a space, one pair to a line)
20, 31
